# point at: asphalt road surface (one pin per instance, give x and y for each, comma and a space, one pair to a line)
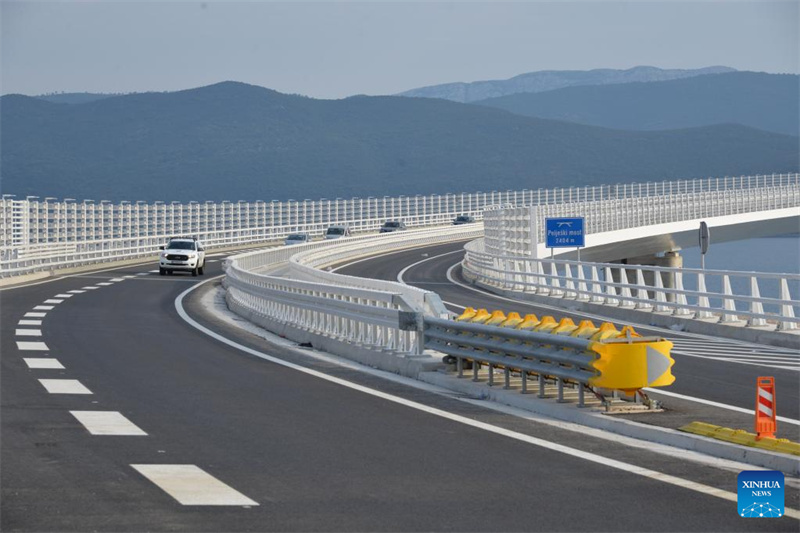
152, 425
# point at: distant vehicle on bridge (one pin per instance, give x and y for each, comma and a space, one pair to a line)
297, 238
337, 232
391, 226
463, 219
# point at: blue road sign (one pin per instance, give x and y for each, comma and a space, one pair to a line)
564, 232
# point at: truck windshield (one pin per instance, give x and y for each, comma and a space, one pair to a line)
180, 245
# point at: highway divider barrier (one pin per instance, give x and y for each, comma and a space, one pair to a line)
602, 358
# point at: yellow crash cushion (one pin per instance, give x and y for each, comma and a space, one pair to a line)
628, 330
632, 365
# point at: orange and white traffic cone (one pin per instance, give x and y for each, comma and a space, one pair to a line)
766, 423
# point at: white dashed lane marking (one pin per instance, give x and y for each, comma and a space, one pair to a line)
129, 277
53, 301
738, 352
42, 362
107, 423
32, 346
117, 279
30, 322
28, 333
44, 308
143, 274
64, 386
104, 284
76, 291
35, 315
191, 485
64, 295
90, 288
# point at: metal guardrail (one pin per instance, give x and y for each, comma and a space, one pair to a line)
602, 359
681, 292
48, 234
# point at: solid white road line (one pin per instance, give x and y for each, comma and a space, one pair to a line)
43, 362
64, 295
717, 404
104, 284
53, 301
43, 308
32, 346
107, 423
28, 333
35, 315
191, 485
574, 452
76, 291
64, 386
30, 323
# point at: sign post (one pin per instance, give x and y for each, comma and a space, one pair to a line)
565, 233
705, 240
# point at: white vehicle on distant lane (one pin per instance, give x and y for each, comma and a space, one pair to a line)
182, 254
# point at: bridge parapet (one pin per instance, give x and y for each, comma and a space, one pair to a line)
519, 230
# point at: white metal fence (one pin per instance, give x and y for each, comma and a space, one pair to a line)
43, 234
689, 293
508, 229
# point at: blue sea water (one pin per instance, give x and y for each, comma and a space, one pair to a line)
770, 254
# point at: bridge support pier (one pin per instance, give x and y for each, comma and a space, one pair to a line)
668, 259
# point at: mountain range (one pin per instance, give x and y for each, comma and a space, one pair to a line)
549, 80
236, 141
766, 101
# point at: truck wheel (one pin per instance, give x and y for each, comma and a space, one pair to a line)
161, 271
194, 272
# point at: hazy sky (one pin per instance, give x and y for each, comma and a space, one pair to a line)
336, 49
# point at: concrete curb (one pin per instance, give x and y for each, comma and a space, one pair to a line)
570, 413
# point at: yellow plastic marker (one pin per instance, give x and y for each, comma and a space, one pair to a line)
512, 321
607, 330
468, 313
496, 318
546, 325
481, 316
565, 327
529, 322
628, 331
740, 436
585, 329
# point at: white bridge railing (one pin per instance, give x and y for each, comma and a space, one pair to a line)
48, 234
373, 314
683, 292
508, 229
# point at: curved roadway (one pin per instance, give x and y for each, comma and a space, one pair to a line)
708, 368
215, 438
